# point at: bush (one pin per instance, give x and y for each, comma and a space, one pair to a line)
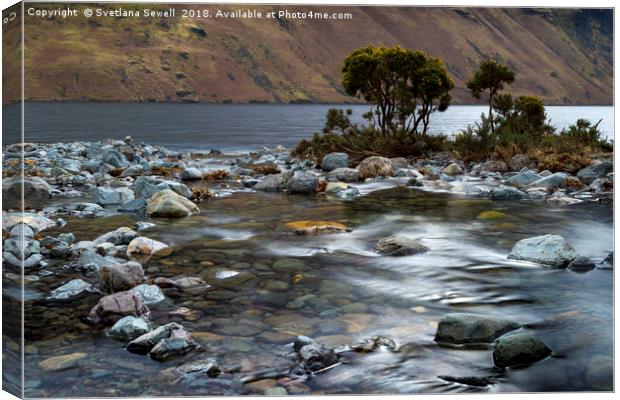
360, 142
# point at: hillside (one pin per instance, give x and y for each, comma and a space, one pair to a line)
564, 56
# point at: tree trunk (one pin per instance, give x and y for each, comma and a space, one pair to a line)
491, 111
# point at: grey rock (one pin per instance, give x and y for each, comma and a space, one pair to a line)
147, 186
150, 294
315, 357
171, 347
521, 161
375, 166
554, 181
397, 245
519, 349
524, 178
551, 250
36, 193
463, 328
93, 261
16, 246
581, 264
107, 195
344, 175
168, 204
122, 235
115, 306
135, 205
333, 161
494, 166
120, 277
593, 172
73, 290
133, 171
20, 230
35, 221
302, 182
273, 183
129, 328
114, 158
191, 174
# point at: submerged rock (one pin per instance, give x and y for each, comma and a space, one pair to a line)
374, 166
581, 264
168, 204
505, 193
334, 161
312, 356
60, 363
519, 349
397, 245
113, 307
72, 290
551, 250
464, 328
310, 227
129, 328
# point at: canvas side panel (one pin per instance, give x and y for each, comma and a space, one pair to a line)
12, 187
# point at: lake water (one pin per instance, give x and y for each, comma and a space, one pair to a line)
227, 126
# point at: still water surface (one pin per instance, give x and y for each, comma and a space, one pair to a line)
228, 126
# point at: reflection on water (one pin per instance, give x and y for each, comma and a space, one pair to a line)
336, 289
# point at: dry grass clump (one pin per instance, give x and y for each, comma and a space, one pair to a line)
217, 175
165, 171
265, 169
200, 193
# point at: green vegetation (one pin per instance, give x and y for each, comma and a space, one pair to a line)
405, 88
490, 76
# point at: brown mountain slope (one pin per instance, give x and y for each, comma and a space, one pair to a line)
564, 56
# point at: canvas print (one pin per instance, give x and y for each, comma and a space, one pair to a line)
225, 199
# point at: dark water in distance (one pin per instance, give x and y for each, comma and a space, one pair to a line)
226, 126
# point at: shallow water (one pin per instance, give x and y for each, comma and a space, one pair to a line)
341, 292
228, 127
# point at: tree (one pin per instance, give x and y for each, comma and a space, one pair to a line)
405, 87
491, 76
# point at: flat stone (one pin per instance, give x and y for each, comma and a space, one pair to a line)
551, 250
59, 363
463, 328
519, 349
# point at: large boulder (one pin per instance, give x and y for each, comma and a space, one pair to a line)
452, 170
344, 175
593, 172
144, 246
523, 179
168, 204
114, 158
120, 277
36, 193
553, 181
273, 183
147, 186
333, 161
463, 328
494, 166
519, 349
397, 245
34, 221
551, 250
374, 166
17, 247
107, 195
113, 307
302, 182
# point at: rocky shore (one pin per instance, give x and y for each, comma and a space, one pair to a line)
156, 185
